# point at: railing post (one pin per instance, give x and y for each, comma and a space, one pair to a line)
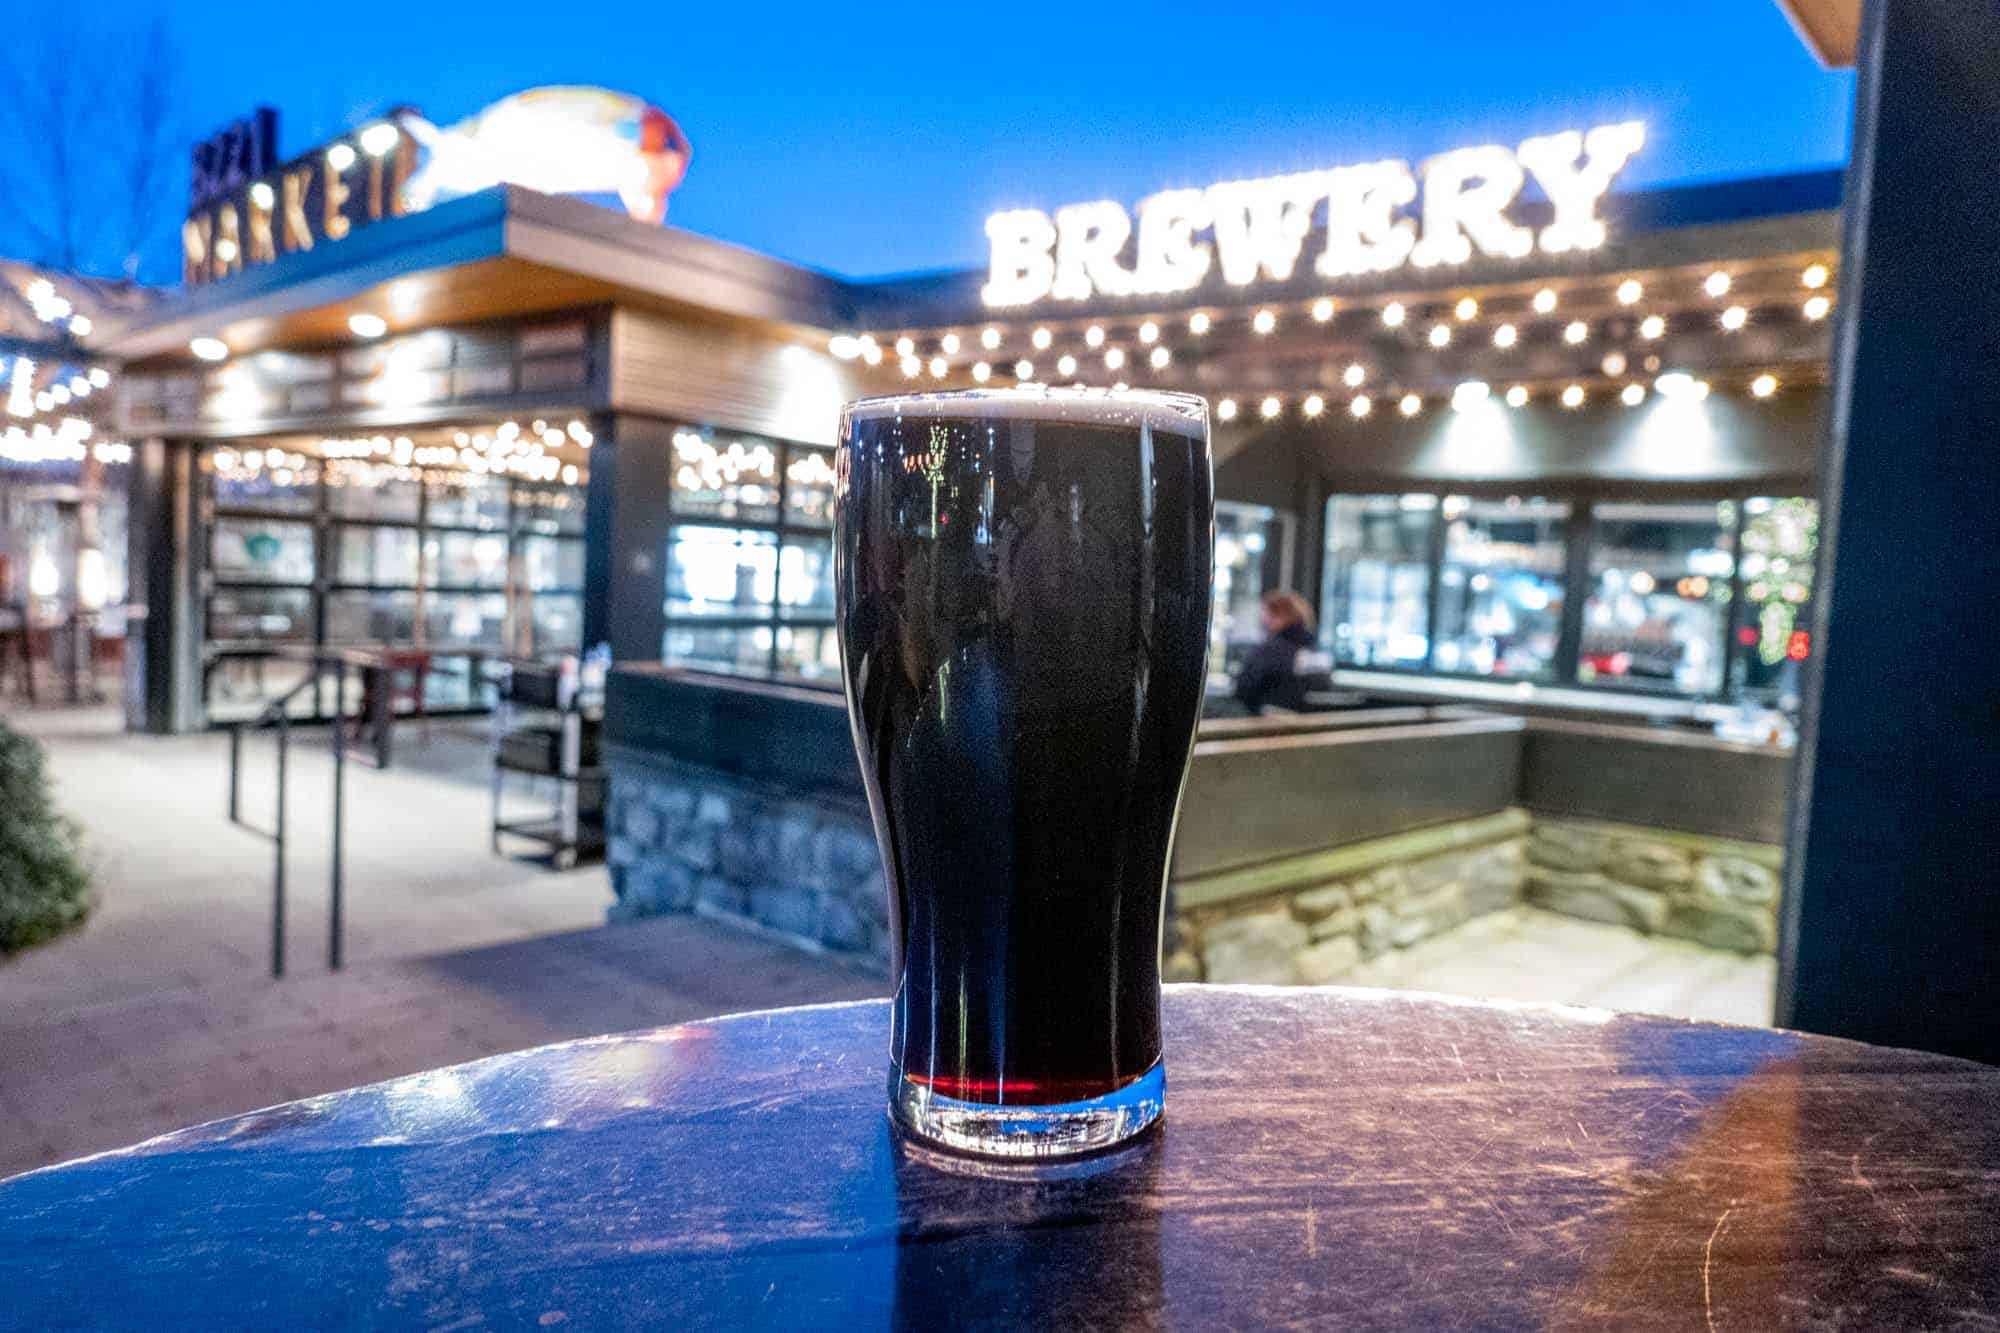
278, 877
334, 923
235, 768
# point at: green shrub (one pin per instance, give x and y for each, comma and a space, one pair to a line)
44, 889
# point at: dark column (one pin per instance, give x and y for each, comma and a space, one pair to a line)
631, 469
162, 644
1892, 925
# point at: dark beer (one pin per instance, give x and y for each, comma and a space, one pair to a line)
1024, 583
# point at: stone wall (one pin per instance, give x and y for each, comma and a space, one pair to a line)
1716, 892
1310, 920
685, 839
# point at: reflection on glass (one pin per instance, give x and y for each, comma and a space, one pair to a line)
465, 619
721, 571
385, 557
1377, 587
277, 488
362, 489
1658, 594
465, 560
548, 511
549, 563
1500, 589
809, 653
261, 550
273, 615
1249, 555
467, 500
736, 649
556, 621
809, 487
721, 477
371, 617
805, 578
1780, 545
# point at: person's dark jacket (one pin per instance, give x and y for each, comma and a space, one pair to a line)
1273, 676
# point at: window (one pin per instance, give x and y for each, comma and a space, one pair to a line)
1772, 634
465, 560
1252, 557
749, 560
255, 550
1500, 587
1658, 598
1375, 596
375, 557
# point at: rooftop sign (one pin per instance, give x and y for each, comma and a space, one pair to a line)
249, 210
1255, 231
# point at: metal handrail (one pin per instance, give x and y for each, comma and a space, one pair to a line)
277, 713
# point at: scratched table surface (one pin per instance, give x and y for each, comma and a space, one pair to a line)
1329, 1159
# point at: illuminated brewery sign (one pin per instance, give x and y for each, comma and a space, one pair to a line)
247, 209
1256, 230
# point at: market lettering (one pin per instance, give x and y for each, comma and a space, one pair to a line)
1258, 228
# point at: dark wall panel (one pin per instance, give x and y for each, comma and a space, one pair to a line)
1629, 775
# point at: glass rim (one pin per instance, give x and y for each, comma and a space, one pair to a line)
1163, 409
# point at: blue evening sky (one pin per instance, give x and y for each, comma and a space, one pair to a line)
875, 138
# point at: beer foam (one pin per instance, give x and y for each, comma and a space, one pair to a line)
1171, 413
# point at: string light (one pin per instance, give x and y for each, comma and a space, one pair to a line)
209, 349
1270, 407
1469, 395
1226, 409
1264, 321
1041, 338
871, 351
1440, 335
1066, 365
1467, 308
365, 325
1198, 323
906, 346
1114, 359
1764, 386
843, 346
1652, 326
1313, 405
80, 326
981, 372
1814, 276
100, 378
1613, 363
1393, 314
1094, 336
989, 339
949, 344
938, 367
1024, 369
1160, 357
1735, 318
1354, 375
340, 157
1573, 396
1505, 336
1717, 284
911, 367
1576, 332
1632, 395
1517, 396
1545, 300
1817, 307
1411, 405
1359, 406
1323, 309
1629, 292
1149, 332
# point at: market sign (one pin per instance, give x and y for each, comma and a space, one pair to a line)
249, 210
1255, 231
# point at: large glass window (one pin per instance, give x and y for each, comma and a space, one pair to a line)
259, 550
1658, 598
1252, 557
375, 556
748, 548
465, 560
1375, 596
1500, 587
1772, 634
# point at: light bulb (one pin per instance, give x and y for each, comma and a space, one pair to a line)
1270, 407
1575, 332
1393, 314
1440, 335
1717, 284
1632, 395
1359, 406
1226, 409
1629, 291
1652, 326
1735, 318
1041, 338
1467, 308
1313, 405
1411, 405
1816, 307
1160, 357
1198, 322
1815, 276
1354, 375
1505, 336
989, 339
1573, 396
1545, 300
1264, 321
1149, 332
1094, 336
1764, 386
1322, 309
1517, 396
949, 344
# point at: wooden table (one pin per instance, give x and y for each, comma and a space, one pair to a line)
1330, 1159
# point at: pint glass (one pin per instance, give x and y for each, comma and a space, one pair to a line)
1023, 585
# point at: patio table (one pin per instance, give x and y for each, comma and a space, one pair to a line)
1330, 1158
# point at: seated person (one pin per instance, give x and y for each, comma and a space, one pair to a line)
1281, 671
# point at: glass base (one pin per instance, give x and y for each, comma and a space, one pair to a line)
1065, 1129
